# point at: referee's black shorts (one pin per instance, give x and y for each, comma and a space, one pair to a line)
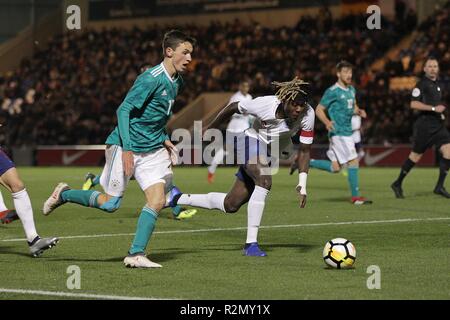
429, 132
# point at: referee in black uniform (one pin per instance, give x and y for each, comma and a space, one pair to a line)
429, 129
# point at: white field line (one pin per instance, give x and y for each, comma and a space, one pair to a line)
245, 228
74, 295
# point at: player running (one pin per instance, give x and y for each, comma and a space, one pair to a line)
285, 117
238, 123
9, 178
139, 146
340, 103
178, 213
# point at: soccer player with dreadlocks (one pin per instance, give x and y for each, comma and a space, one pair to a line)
281, 118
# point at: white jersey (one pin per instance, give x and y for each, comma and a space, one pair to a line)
356, 128
356, 122
239, 122
268, 127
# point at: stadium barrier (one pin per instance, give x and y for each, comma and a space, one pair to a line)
93, 155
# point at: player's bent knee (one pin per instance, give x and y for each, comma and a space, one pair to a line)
264, 182
111, 205
231, 209
445, 150
231, 206
415, 157
156, 205
335, 169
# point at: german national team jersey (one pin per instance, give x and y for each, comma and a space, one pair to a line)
340, 104
268, 127
143, 114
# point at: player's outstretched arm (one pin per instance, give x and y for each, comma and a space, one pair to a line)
223, 115
303, 157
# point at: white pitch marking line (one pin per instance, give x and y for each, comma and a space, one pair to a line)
74, 295
245, 228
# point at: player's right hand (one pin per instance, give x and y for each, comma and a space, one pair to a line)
128, 163
330, 126
440, 108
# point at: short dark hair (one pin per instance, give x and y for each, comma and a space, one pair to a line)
430, 58
343, 64
173, 38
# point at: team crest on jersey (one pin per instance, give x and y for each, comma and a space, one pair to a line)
416, 92
164, 93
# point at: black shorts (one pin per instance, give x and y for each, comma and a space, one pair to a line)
428, 133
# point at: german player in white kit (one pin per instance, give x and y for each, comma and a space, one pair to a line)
238, 123
285, 118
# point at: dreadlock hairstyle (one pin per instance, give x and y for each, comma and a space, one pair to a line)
291, 90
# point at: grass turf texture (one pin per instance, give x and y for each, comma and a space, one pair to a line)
413, 255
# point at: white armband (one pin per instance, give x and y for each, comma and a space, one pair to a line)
302, 177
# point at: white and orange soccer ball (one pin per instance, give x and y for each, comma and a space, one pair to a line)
339, 253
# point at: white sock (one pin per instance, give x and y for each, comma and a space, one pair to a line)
212, 200
24, 210
218, 159
255, 211
2, 203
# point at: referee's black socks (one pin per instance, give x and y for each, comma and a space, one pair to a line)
406, 167
444, 165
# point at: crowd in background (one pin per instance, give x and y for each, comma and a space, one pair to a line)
68, 93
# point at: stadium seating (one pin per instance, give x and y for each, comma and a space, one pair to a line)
67, 94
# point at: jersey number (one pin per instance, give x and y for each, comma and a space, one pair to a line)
350, 103
170, 106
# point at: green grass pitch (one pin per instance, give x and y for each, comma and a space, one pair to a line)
202, 258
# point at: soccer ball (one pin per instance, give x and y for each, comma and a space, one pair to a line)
339, 253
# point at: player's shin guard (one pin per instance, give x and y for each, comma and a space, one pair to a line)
87, 198
444, 165
255, 211
24, 210
144, 230
353, 180
321, 165
212, 200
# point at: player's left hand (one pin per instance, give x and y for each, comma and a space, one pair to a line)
173, 151
362, 113
302, 196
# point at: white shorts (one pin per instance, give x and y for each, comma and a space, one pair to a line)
342, 149
149, 168
356, 135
